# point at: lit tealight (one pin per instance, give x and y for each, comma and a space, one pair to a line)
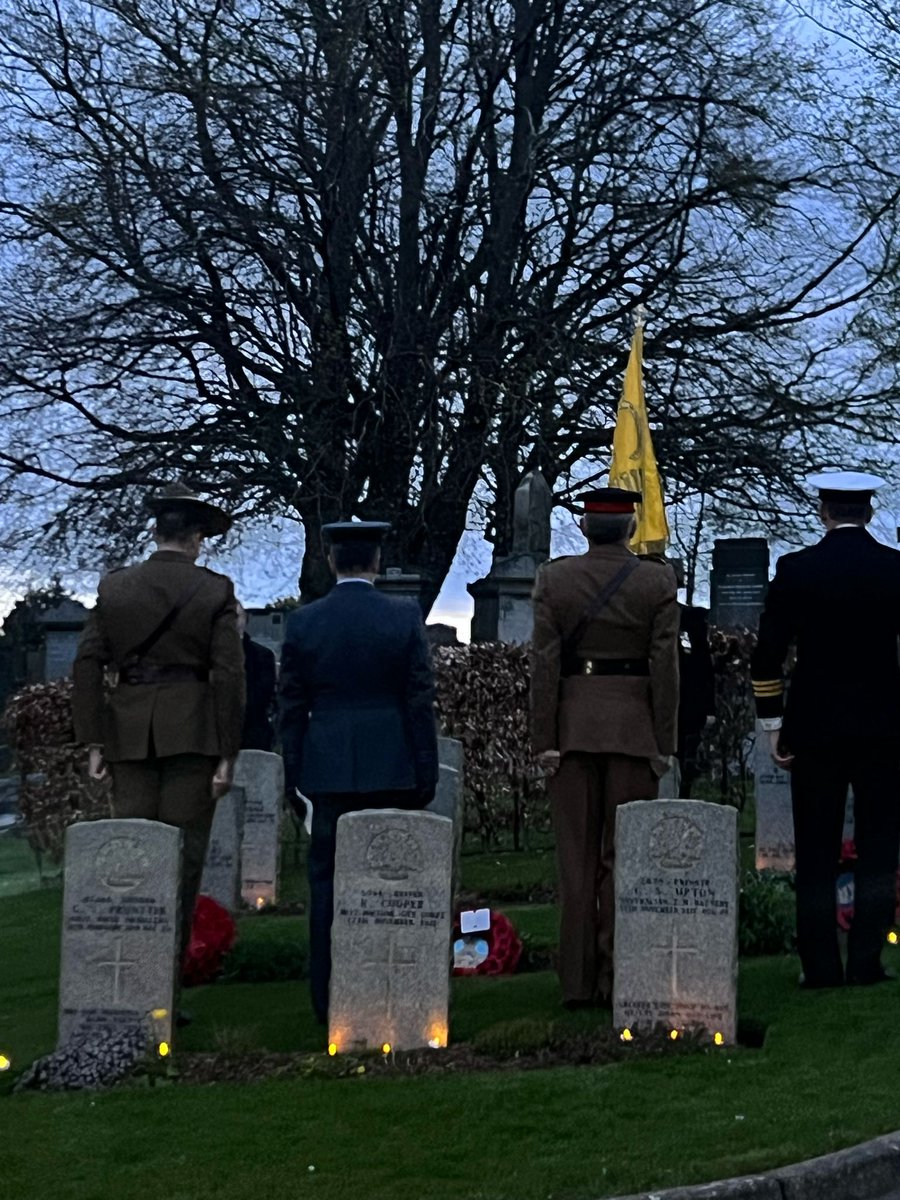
332, 1048
893, 937
673, 1034
386, 1048
163, 1049
626, 1036
5, 1062
159, 1014
719, 1039
434, 1043
260, 902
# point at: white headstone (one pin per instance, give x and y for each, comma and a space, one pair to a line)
774, 816
261, 775
120, 927
390, 940
449, 796
676, 917
221, 879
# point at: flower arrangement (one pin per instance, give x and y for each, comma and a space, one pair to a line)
212, 935
504, 948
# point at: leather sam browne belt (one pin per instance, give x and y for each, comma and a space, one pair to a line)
612, 666
149, 675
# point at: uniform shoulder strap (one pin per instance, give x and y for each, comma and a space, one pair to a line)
138, 652
599, 602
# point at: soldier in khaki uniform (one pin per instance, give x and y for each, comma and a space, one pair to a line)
604, 708
164, 634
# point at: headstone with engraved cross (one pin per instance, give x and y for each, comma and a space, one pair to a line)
120, 928
390, 940
676, 917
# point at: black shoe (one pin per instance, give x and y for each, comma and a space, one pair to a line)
869, 978
813, 984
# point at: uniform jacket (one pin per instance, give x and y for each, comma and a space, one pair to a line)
697, 687
357, 695
839, 602
260, 674
184, 717
635, 715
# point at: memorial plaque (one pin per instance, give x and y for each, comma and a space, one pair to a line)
221, 879
261, 775
676, 917
390, 940
774, 816
120, 927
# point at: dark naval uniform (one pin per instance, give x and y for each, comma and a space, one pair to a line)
262, 681
176, 710
604, 693
697, 690
358, 728
839, 603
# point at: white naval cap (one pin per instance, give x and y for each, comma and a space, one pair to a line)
843, 482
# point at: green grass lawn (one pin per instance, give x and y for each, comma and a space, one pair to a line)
826, 1078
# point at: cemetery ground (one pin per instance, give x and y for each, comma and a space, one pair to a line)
824, 1078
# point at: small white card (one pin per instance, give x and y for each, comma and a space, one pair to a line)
475, 920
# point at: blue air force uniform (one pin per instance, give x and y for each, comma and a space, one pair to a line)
838, 602
357, 722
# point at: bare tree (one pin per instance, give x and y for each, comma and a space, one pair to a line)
361, 258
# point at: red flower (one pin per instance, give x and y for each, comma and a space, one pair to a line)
505, 948
212, 936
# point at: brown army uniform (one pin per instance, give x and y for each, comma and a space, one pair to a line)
611, 729
171, 717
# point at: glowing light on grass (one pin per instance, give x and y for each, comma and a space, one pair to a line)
673, 1034
163, 1049
893, 937
5, 1062
437, 1035
386, 1048
260, 902
626, 1036
719, 1039
332, 1048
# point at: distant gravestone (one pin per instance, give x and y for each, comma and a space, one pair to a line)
676, 916
774, 815
448, 798
261, 775
221, 879
390, 940
670, 783
120, 928
62, 626
739, 581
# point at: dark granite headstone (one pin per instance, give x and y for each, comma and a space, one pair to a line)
738, 583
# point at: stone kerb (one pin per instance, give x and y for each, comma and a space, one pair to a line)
120, 927
261, 775
676, 917
390, 939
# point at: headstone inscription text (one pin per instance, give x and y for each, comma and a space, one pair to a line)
676, 916
120, 929
390, 939
261, 775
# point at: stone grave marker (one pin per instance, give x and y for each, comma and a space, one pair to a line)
448, 798
774, 816
676, 917
739, 581
261, 775
390, 940
221, 879
120, 927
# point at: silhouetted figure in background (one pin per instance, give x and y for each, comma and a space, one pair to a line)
260, 674
697, 685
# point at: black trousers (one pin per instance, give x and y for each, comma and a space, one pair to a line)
327, 810
820, 779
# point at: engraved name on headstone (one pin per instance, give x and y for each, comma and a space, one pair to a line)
390, 940
120, 927
221, 879
261, 775
676, 916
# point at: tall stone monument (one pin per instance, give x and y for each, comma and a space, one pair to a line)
676, 917
120, 928
503, 597
261, 776
738, 583
390, 940
221, 879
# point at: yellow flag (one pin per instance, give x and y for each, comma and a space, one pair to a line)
633, 462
